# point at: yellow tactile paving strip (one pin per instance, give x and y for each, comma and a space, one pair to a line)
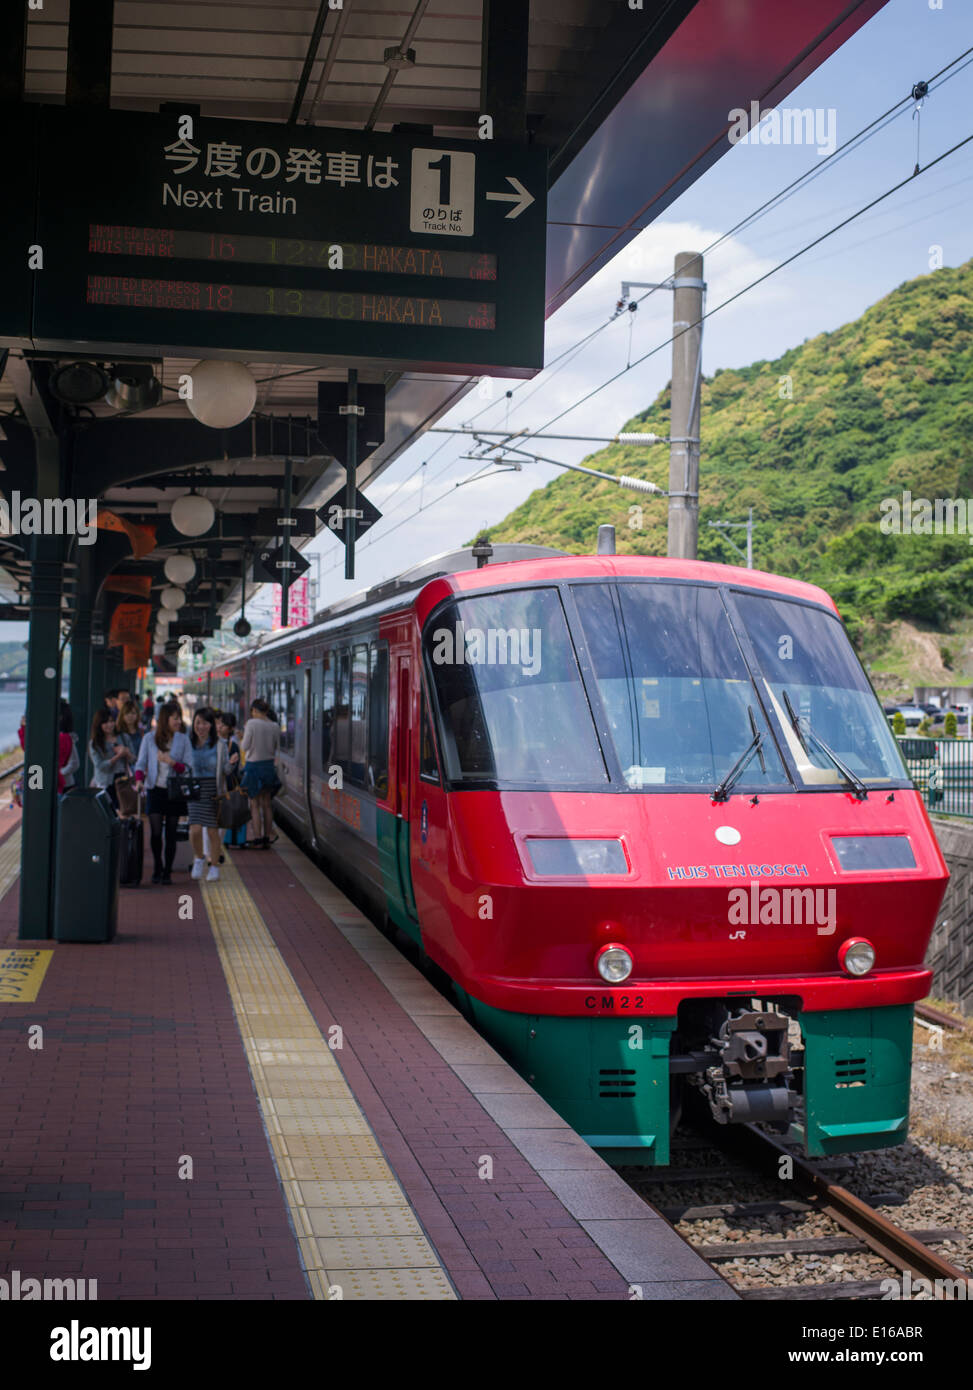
10, 860
357, 1234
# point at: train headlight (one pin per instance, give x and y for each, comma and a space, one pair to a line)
614, 964
857, 956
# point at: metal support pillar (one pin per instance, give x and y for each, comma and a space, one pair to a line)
78, 694
48, 553
687, 347
351, 465
503, 79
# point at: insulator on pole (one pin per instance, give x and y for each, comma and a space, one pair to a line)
640, 484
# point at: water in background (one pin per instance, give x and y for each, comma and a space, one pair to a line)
12, 705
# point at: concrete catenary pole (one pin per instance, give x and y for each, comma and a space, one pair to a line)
687, 345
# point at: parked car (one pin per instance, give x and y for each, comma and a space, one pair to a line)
912, 715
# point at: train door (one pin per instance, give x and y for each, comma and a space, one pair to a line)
403, 785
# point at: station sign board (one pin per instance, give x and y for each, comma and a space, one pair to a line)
190, 236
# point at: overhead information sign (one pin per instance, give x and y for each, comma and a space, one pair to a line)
184, 236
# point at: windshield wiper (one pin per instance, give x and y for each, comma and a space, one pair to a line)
851, 778
722, 792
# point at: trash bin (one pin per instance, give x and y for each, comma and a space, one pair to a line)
86, 876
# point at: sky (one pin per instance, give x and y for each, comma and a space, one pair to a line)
425, 512
830, 285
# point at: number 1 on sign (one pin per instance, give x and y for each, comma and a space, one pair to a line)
442, 192
442, 164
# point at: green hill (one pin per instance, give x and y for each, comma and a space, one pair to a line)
814, 442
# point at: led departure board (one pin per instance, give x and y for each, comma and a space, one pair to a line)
166, 243
180, 235
195, 296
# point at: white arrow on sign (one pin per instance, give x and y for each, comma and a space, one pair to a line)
521, 197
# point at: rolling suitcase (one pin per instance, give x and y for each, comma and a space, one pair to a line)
131, 853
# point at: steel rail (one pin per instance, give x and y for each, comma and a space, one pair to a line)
880, 1234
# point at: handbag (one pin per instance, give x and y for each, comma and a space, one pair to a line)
128, 796
182, 786
233, 809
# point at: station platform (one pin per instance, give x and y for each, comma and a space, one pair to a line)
251, 1094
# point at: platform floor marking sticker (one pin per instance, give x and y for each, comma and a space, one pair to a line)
357, 1234
22, 972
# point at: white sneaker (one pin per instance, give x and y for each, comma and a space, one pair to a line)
213, 874
198, 866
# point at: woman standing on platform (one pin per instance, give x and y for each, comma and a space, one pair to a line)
165, 751
209, 760
109, 756
261, 742
128, 731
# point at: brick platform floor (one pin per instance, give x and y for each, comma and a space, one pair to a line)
142, 1065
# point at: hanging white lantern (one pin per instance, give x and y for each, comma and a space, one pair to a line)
173, 598
192, 515
223, 394
179, 569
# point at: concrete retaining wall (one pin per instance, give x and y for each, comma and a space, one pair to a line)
950, 952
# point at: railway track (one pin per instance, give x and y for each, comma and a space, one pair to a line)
859, 1227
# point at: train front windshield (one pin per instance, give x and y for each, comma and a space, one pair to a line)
683, 689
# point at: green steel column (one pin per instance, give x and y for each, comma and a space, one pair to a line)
81, 657
37, 854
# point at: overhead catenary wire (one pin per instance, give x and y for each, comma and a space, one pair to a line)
760, 279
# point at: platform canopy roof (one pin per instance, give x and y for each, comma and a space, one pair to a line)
631, 105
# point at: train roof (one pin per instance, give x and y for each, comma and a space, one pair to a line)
460, 572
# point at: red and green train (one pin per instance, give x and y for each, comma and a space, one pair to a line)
646, 814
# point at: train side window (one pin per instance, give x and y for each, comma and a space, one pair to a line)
359, 715
342, 710
378, 720
328, 710
428, 766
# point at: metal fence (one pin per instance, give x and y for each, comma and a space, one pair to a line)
942, 770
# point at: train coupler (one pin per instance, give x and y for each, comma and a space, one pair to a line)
749, 1083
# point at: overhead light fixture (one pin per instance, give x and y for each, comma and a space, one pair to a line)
135, 387
173, 598
223, 394
79, 383
179, 569
192, 515
241, 627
